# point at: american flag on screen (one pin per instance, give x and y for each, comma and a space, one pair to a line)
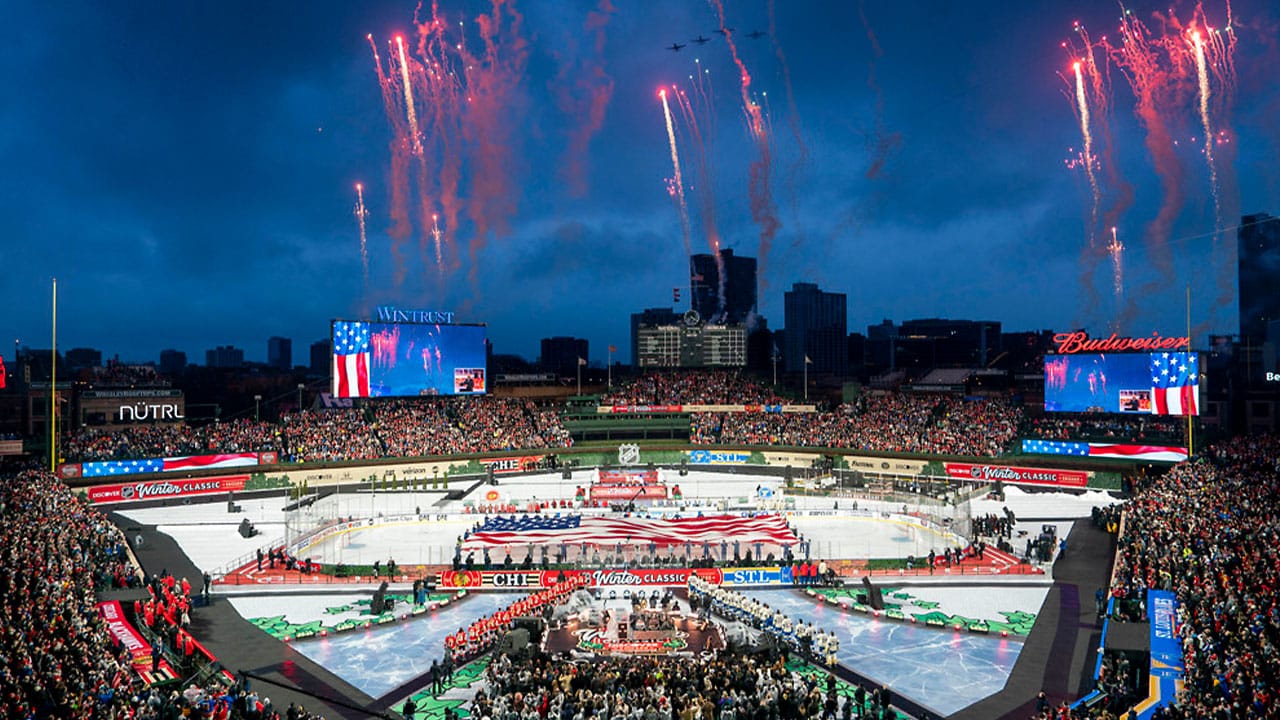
1161, 453
350, 359
1175, 384
608, 531
106, 468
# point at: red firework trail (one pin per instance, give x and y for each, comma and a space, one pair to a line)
401, 227
1213, 50
676, 185
704, 187
762, 209
801, 159
444, 96
1089, 90
583, 90
1157, 71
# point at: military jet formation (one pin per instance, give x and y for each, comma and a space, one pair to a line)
703, 40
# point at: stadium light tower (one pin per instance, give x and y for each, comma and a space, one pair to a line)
257, 407
300, 386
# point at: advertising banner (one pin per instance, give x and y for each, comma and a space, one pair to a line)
162, 489
1016, 475
627, 477
643, 409
612, 578
1166, 653
628, 492
122, 630
885, 464
512, 464
713, 457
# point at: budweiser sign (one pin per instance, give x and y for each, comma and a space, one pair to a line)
1016, 475
160, 489
1080, 342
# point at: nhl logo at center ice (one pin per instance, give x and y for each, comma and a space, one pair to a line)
629, 454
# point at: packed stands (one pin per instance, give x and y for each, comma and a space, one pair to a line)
879, 422
1207, 530
1107, 427
397, 428
59, 660
708, 387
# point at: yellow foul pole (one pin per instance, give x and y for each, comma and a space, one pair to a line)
53, 387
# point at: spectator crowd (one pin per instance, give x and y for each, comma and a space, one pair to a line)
877, 422
415, 427
1209, 531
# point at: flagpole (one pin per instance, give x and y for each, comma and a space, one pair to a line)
53, 387
579, 376
1190, 439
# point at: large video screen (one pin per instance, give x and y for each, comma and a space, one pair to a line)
376, 359
1162, 383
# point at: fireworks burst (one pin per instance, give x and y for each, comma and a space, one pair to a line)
361, 213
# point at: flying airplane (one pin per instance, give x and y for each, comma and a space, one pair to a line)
701, 40
675, 47
755, 34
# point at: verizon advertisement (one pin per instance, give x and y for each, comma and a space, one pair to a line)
164, 489
1016, 475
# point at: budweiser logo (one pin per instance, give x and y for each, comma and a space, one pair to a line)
1074, 342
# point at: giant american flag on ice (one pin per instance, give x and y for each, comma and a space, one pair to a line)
611, 530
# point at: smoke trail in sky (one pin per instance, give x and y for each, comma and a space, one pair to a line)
763, 211
704, 187
492, 81
401, 227
882, 142
582, 90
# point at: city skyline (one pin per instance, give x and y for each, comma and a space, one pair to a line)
193, 186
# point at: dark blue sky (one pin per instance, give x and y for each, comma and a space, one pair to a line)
186, 171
